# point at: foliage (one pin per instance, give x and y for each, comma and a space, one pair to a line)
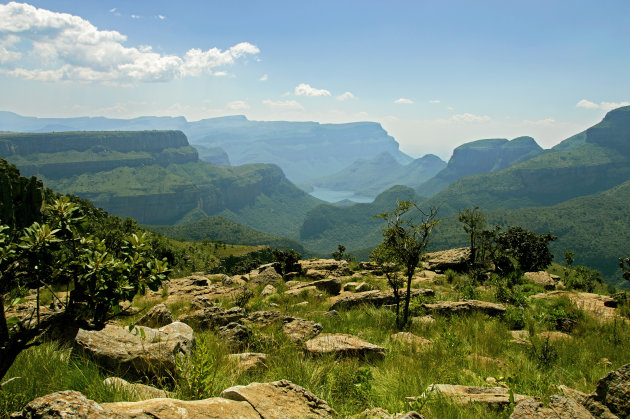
388, 263
473, 221
530, 250
288, 260
406, 236
582, 278
340, 253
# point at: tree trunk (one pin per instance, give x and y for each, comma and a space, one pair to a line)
407, 298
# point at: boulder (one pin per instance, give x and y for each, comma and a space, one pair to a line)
300, 330
543, 278
158, 316
423, 320
463, 307
64, 404
139, 391
189, 287
350, 286
411, 339
560, 407
280, 399
343, 345
613, 391
236, 335
213, 317
330, 285
456, 259
379, 413
266, 318
596, 408
268, 290
492, 396
601, 307
303, 290
233, 281
374, 298
267, 275
247, 361
330, 265
316, 274
143, 351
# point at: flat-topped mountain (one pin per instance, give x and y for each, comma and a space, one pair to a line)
369, 177
303, 150
481, 156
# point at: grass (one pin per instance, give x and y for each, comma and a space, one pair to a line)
351, 386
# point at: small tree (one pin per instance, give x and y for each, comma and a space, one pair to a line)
387, 262
288, 259
474, 222
56, 253
624, 264
528, 249
406, 236
340, 253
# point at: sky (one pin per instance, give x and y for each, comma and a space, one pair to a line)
435, 74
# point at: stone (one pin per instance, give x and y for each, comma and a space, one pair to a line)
300, 330
350, 286
410, 339
158, 316
560, 407
214, 408
233, 281
156, 352
248, 361
486, 361
461, 307
423, 320
362, 287
63, 404
380, 413
602, 307
265, 276
332, 286
236, 335
542, 278
374, 298
139, 391
492, 396
266, 318
343, 345
213, 317
268, 290
522, 336
304, 290
330, 265
613, 391
456, 259
187, 288
280, 399
316, 274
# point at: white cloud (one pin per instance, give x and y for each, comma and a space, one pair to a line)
434, 101
607, 106
161, 17
468, 117
134, 16
345, 96
587, 104
542, 122
404, 101
306, 90
238, 105
220, 73
284, 104
264, 77
67, 47
112, 10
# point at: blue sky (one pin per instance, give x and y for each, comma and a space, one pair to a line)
436, 74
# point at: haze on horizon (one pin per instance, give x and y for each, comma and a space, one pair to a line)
435, 75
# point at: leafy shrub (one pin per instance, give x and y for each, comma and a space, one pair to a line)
515, 318
582, 278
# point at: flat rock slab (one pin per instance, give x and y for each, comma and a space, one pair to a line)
560, 407
139, 391
280, 399
543, 278
143, 351
187, 288
213, 317
468, 306
343, 345
324, 265
599, 306
247, 361
522, 336
374, 298
613, 391
455, 259
411, 339
300, 330
330, 285
158, 316
493, 396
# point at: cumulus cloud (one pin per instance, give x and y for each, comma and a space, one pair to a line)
238, 105
161, 17
607, 106
434, 101
468, 117
306, 90
264, 77
61, 46
345, 96
290, 105
542, 122
404, 101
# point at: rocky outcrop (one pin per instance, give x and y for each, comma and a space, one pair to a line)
248, 361
543, 278
374, 298
599, 306
158, 316
190, 287
264, 276
463, 307
332, 286
300, 330
236, 335
343, 345
456, 259
142, 351
613, 391
326, 267
213, 317
559, 408
280, 399
492, 396
137, 390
